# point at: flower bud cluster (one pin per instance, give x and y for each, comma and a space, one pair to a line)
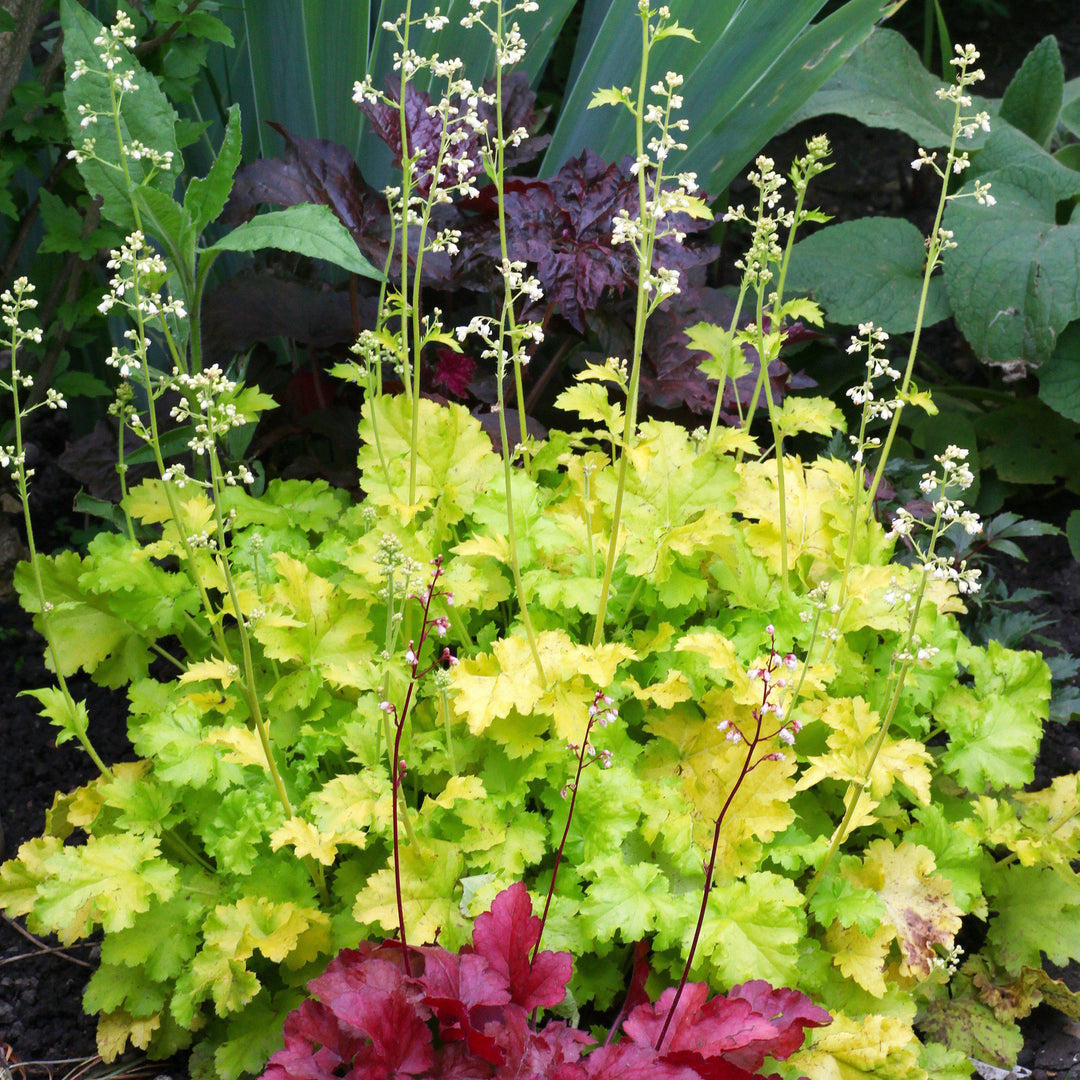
13, 302
964, 125
602, 713
111, 44
771, 710
953, 474
664, 200
765, 250
135, 284
871, 339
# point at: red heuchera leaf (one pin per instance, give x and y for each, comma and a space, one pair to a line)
464, 991
789, 1011
453, 370
505, 936
706, 1027
550, 1052
380, 1001
424, 131
628, 1061
375, 1020
564, 226
310, 1026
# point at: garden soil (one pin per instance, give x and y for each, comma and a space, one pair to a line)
43, 1031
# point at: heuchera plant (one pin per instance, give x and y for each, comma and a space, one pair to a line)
380, 1012
814, 779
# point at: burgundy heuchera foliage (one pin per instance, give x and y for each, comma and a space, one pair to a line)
465, 1015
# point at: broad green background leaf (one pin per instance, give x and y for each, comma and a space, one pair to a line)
1070, 108
295, 65
145, 114
1032, 100
884, 84
1072, 531
1014, 283
1059, 377
306, 229
872, 269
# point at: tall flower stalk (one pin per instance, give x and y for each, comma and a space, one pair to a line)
657, 201
14, 303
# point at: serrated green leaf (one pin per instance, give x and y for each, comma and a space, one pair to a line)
306, 229
993, 734
206, 198
1034, 910
107, 882
838, 900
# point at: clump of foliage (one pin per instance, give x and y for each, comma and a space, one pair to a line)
373, 1006
813, 778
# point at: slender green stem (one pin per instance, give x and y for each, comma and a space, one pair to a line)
932, 259
645, 252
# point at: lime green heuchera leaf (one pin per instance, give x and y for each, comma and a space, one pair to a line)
1034, 910
106, 882
995, 726
627, 902
430, 872
816, 415
309, 621
455, 461
87, 632
752, 930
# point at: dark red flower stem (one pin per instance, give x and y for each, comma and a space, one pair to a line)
747, 767
566, 832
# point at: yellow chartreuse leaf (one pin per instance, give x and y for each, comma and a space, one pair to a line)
488, 687
430, 874
868, 599
351, 806
107, 882
1052, 819
455, 463
305, 840
817, 415
20, 877
310, 621
718, 650
458, 789
214, 670
869, 1047
665, 694
114, 1029
590, 401
805, 492
855, 728
818, 502
708, 766
244, 746
282, 932
918, 901
860, 956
